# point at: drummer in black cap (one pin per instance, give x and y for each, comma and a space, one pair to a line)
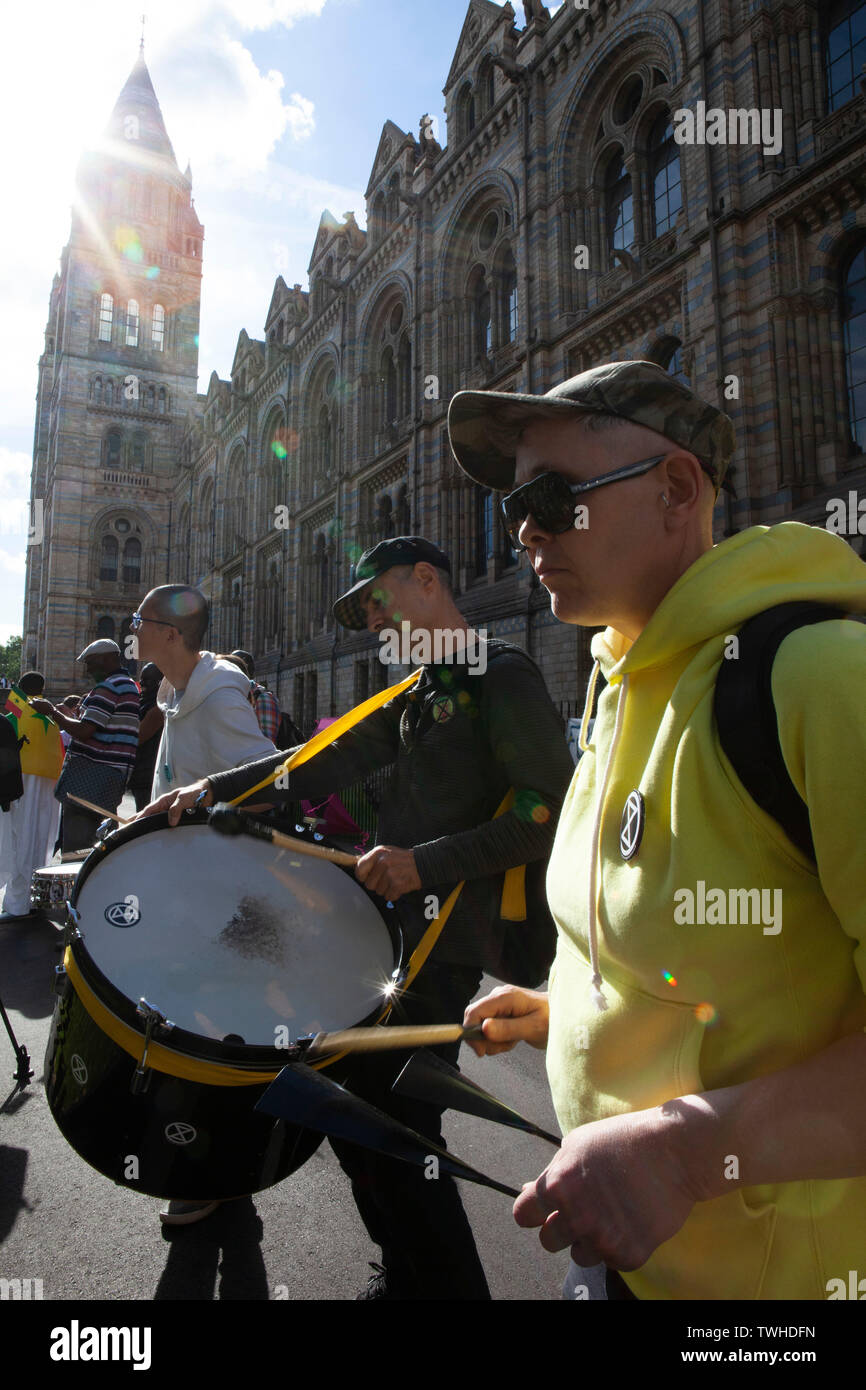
478, 722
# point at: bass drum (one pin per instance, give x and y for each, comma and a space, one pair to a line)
194, 961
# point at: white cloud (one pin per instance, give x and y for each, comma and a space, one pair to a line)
12, 563
223, 114
14, 475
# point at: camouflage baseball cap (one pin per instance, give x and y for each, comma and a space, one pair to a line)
484, 426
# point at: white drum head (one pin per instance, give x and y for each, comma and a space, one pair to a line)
230, 935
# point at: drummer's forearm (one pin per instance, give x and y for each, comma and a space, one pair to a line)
238, 781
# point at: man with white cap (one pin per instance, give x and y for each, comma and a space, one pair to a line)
101, 756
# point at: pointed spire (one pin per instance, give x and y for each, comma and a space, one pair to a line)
136, 122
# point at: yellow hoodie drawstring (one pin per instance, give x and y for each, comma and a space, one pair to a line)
598, 998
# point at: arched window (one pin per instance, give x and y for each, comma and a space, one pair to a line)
619, 205
854, 330
321, 578
158, 328
845, 51
388, 377
132, 561
394, 200
484, 529
132, 323
273, 467
183, 545
482, 320
113, 447
138, 453
404, 378
108, 559
205, 529
385, 518
379, 218
325, 460
403, 515
150, 398
96, 390
105, 628
163, 400
507, 276
234, 506
281, 329
108, 395
667, 193
272, 602
106, 317
487, 84
466, 111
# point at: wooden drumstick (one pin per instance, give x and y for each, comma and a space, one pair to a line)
229, 821
100, 810
390, 1039
337, 856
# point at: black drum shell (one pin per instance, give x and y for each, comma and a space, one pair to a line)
229, 1151
178, 1139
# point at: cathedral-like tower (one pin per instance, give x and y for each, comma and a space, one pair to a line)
117, 379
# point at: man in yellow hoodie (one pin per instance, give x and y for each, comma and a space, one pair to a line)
708, 1065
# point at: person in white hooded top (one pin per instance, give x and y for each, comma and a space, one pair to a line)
209, 723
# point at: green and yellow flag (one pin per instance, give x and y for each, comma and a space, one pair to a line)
42, 754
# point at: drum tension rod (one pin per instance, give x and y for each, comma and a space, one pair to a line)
152, 1019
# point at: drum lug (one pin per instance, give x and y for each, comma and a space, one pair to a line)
152, 1019
61, 981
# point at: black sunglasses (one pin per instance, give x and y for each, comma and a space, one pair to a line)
550, 499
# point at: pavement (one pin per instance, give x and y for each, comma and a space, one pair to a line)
86, 1239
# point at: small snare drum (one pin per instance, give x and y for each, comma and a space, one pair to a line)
51, 887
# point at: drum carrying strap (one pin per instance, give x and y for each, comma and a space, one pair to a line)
513, 902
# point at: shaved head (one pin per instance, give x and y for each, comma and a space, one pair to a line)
184, 608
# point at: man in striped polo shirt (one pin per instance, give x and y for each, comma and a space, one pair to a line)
101, 756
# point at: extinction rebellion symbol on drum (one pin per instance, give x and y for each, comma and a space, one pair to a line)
78, 1069
178, 1132
124, 914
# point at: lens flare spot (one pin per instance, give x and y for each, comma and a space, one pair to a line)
279, 450
152, 272
128, 243
666, 975
540, 813
706, 1013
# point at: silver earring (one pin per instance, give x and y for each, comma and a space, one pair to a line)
665, 499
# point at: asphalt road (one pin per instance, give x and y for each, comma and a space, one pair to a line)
85, 1238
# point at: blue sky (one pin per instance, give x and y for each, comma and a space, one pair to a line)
278, 105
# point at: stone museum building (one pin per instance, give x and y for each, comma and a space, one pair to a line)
559, 224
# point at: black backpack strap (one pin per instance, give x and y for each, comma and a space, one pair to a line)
746, 715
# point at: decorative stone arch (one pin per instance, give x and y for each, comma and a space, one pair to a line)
320, 416
234, 496
204, 523
272, 470
648, 39
492, 181
385, 359
478, 278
